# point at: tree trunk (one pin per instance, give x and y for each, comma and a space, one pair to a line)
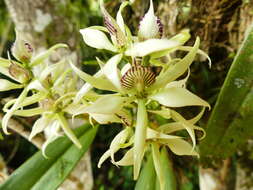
236, 25
244, 168
44, 23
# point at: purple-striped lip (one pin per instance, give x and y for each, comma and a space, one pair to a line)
138, 74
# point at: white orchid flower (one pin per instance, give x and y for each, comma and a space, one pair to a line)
148, 42
51, 87
139, 85
150, 25
96, 38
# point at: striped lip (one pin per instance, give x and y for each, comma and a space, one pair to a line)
109, 25
138, 77
114, 29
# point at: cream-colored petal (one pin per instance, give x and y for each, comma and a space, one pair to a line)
7, 85
117, 34
119, 18
40, 125
82, 92
97, 82
4, 62
201, 52
197, 117
182, 37
127, 160
148, 26
105, 118
106, 155
164, 112
176, 70
27, 101
111, 71
178, 97
189, 128
171, 127
140, 137
177, 126
10, 112
29, 112
52, 137
107, 104
115, 145
141, 49
97, 39
154, 135
5, 71
50, 69
125, 68
180, 147
118, 140
36, 85
87, 86
180, 83
67, 130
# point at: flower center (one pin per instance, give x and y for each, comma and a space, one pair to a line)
138, 77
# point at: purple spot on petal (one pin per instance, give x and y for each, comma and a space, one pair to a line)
160, 26
28, 47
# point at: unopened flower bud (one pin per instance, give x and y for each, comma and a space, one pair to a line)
150, 25
22, 50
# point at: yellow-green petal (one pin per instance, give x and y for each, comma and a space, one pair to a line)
177, 69
97, 39
141, 49
67, 130
7, 85
140, 136
97, 82
178, 97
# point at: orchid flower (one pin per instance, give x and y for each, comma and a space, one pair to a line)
146, 85
148, 42
136, 84
52, 87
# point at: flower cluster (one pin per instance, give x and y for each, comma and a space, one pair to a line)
141, 77
47, 89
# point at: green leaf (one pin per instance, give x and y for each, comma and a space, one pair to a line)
147, 177
40, 173
230, 124
169, 173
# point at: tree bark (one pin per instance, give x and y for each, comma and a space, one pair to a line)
244, 168
44, 23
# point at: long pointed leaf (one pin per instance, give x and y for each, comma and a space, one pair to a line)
230, 124
32, 173
147, 176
